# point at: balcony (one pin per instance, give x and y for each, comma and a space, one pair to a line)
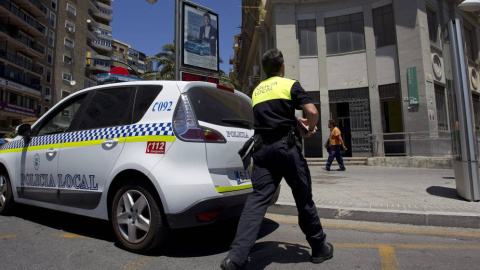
25, 23
94, 5
34, 7
21, 62
100, 47
20, 42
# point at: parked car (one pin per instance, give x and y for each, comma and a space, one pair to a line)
149, 156
197, 46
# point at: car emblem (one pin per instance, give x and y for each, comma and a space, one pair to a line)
36, 161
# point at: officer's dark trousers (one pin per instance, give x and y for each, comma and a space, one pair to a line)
272, 162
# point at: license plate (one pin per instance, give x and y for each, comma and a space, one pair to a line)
243, 176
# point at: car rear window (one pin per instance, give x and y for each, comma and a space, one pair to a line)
221, 107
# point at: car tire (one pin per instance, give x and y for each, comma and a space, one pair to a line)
6, 195
137, 218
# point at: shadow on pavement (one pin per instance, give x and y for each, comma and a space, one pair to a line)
265, 253
444, 192
207, 240
69, 223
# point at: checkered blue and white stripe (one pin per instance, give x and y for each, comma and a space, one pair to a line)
154, 129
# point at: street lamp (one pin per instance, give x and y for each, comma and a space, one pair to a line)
466, 169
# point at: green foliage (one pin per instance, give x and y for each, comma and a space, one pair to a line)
11, 133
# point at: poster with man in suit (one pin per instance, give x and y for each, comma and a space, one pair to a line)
200, 37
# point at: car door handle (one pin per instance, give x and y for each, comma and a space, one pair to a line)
52, 151
109, 143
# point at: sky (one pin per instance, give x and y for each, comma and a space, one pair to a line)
148, 27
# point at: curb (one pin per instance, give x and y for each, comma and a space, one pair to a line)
464, 220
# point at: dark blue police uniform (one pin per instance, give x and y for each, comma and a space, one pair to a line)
279, 156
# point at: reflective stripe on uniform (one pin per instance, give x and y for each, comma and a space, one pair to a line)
272, 88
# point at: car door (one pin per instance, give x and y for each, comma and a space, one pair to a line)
38, 161
92, 148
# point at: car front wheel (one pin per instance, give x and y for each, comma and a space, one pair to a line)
137, 218
6, 196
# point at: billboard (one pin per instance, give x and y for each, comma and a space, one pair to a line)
199, 37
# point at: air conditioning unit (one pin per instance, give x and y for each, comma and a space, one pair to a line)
256, 71
48, 97
70, 29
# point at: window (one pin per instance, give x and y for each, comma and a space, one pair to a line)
67, 59
432, 25
69, 43
46, 109
214, 106
71, 9
65, 94
53, 19
145, 96
59, 121
384, 26
476, 110
66, 76
108, 108
48, 94
470, 42
441, 107
54, 4
307, 37
51, 38
345, 34
70, 27
50, 57
48, 77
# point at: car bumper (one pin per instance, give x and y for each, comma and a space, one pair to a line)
229, 205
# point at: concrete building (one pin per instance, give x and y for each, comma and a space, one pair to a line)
135, 59
83, 32
375, 66
26, 59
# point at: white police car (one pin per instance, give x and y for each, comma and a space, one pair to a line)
150, 156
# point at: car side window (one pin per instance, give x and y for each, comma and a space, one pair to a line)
146, 94
107, 108
61, 119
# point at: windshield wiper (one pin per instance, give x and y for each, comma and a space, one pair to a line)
243, 122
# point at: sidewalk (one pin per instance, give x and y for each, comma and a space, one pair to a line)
385, 194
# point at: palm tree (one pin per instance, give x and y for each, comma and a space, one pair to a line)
165, 64
165, 68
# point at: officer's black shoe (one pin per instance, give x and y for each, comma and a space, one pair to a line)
325, 254
326, 169
342, 170
228, 264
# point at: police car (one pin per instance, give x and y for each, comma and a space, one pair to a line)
149, 156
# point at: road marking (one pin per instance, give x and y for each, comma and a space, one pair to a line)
386, 229
7, 236
71, 235
388, 258
139, 263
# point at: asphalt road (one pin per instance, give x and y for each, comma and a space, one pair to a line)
36, 238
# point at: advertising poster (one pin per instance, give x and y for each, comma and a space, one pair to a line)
200, 38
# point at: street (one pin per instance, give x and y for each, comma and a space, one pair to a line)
35, 238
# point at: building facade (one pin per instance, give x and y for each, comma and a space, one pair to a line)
136, 60
25, 56
377, 67
83, 32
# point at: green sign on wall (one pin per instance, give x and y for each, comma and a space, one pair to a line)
412, 85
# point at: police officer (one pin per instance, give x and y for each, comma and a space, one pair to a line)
277, 154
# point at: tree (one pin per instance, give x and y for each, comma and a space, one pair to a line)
165, 68
165, 64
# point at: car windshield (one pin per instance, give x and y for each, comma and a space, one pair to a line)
221, 107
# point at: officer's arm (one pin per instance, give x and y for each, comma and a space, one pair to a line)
311, 113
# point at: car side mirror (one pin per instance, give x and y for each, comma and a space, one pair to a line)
23, 130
